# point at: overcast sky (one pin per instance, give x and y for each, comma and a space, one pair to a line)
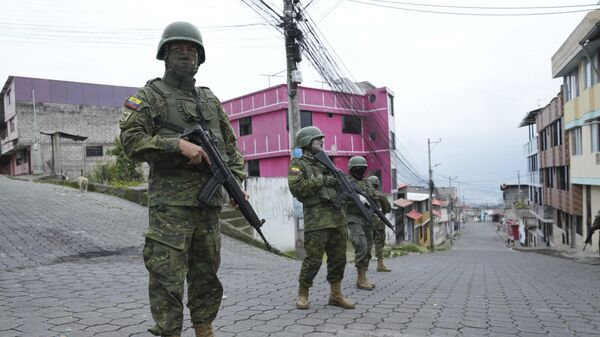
465, 79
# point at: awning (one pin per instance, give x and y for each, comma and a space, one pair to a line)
414, 215
437, 202
402, 202
436, 213
401, 186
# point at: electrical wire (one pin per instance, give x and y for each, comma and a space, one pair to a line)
371, 3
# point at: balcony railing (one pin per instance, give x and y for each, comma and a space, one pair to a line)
531, 147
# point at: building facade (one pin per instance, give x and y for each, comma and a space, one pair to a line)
577, 62
57, 127
563, 198
355, 125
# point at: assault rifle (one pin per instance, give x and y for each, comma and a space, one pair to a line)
589, 236
221, 175
350, 189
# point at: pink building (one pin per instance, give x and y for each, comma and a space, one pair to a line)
355, 124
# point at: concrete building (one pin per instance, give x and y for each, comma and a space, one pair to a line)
57, 127
563, 198
577, 62
516, 215
353, 124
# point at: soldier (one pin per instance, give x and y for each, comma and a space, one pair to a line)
360, 231
595, 226
183, 240
378, 225
324, 224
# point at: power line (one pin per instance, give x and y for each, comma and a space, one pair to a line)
371, 3
484, 7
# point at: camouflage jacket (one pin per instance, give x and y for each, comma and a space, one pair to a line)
171, 181
385, 207
311, 183
353, 211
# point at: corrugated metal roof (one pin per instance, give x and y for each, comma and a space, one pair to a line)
402, 202
414, 215
417, 196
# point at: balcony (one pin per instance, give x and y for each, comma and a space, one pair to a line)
531, 148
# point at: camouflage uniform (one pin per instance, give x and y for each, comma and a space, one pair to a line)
379, 226
324, 224
360, 231
183, 239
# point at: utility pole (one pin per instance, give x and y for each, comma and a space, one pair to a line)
519, 185
450, 204
431, 243
293, 55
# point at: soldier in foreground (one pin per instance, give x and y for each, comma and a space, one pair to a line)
183, 238
360, 231
378, 225
324, 224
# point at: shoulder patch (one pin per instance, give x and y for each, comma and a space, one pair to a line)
295, 170
133, 102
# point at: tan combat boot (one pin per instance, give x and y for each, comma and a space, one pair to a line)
361, 280
337, 298
381, 267
203, 330
302, 299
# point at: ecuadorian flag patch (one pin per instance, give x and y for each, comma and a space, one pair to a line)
133, 102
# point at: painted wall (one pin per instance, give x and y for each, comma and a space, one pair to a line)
270, 138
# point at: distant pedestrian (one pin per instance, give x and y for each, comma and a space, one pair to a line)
359, 230
183, 239
324, 224
378, 225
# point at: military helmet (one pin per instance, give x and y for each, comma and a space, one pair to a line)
357, 161
373, 180
181, 31
306, 135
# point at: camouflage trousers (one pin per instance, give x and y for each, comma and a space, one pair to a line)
361, 236
331, 241
379, 242
182, 243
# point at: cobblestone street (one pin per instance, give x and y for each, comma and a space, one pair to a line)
70, 265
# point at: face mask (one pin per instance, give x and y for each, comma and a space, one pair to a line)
316, 145
183, 65
358, 172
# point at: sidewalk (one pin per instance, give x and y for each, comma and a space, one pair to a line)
576, 254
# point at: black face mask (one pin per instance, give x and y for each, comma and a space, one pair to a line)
183, 65
358, 172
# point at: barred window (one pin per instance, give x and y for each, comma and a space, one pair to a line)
94, 151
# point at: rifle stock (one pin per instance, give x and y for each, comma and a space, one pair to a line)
222, 176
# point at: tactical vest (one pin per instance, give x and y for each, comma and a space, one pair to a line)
183, 111
311, 169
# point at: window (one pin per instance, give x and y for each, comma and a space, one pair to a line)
562, 178
595, 131
245, 126
253, 168
587, 79
19, 157
548, 177
394, 179
570, 86
351, 124
94, 151
391, 104
305, 118
11, 125
392, 140
576, 141
8, 96
543, 143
